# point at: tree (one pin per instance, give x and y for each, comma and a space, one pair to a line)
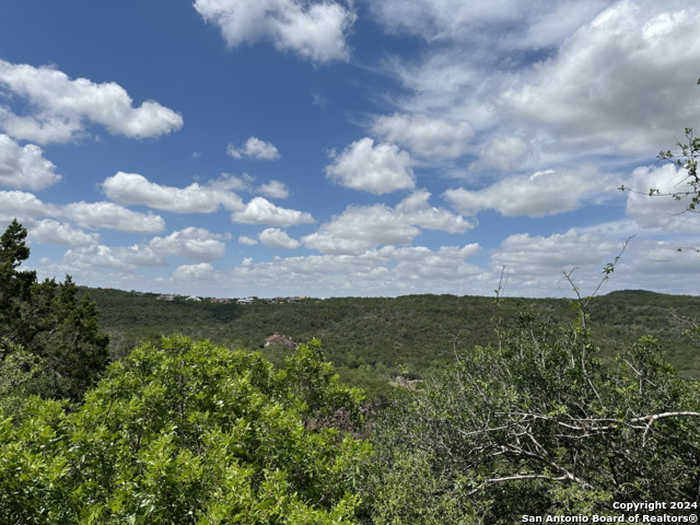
538, 425
48, 320
15, 286
186, 432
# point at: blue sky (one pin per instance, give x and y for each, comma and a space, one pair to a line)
280, 147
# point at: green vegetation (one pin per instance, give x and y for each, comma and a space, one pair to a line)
46, 324
187, 432
537, 425
371, 340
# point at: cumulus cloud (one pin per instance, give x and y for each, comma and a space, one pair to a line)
662, 213
502, 152
534, 263
23, 205
274, 189
314, 30
390, 270
248, 241
53, 232
254, 148
191, 242
230, 182
61, 107
261, 211
25, 166
361, 228
527, 254
379, 169
276, 238
132, 188
113, 216
101, 256
426, 137
595, 90
587, 99
189, 272
542, 193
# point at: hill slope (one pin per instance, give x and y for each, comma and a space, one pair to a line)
373, 339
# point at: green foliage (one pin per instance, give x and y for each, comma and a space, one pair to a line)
536, 424
372, 340
50, 321
186, 432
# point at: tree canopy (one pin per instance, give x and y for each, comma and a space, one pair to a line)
50, 321
185, 432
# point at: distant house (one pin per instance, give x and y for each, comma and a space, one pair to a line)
247, 300
282, 340
166, 297
193, 298
220, 300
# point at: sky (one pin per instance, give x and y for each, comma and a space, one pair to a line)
229, 148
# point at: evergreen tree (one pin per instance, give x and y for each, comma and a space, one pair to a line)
49, 320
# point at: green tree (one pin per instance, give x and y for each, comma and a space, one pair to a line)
15, 286
49, 320
186, 433
535, 425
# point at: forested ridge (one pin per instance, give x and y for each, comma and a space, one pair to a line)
371, 340
524, 407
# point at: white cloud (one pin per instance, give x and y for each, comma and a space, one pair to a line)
229, 182
595, 92
274, 189
314, 30
25, 166
23, 206
261, 211
543, 193
416, 209
276, 238
132, 188
586, 101
191, 242
188, 272
254, 148
248, 241
379, 169
361, 228
388, 271
535, 264
113, 216
430, 138
122, 258
527, 254
529, 24
502, 152
54, 232
62, 106
661, 213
